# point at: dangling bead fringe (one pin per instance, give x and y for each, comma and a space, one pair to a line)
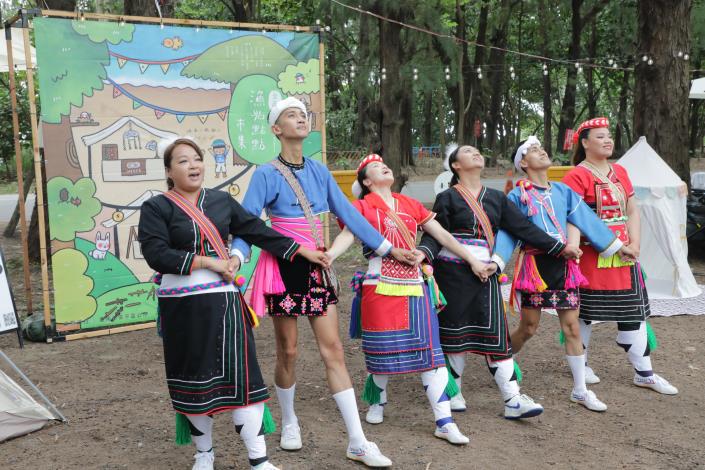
183, 431
371, 393
451, 387
517, 371
437, 298
651, 337
268, 424
574, 277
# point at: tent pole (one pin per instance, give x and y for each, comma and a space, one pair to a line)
18, 164
322, 88
46, 401
38, 183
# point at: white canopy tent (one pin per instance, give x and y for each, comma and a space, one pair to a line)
662, 202
19, 412
17, 53
697, 89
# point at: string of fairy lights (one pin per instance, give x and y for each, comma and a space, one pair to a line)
579, 64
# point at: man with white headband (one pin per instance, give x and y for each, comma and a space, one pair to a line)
546, 282
294, 191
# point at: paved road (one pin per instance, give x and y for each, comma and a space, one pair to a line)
423, 190
8, 203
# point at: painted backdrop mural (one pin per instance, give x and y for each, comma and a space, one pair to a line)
109, 93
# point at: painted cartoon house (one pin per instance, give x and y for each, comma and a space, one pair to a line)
125, 151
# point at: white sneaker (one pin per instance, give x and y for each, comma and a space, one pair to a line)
291, 437
521, 406
451, 433
375, 414
589, 400
656, 383
204, 460
265, 466
457, 403
590, 377
369, 454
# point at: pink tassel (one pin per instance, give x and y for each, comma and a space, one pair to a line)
265, 280
529, 279
527, 199
574, 277
640, 273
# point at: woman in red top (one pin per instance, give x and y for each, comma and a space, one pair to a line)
397, 311
616, 291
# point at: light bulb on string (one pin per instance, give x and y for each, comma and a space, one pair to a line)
680, 53
511, 68
644, 58
545, 71
384, 76
447, 70
447, 76
614, 65
650, 62
686, 56
610, 61
327, 28
513, 75
577, 65
318, 21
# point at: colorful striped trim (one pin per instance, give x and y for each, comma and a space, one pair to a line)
193, 288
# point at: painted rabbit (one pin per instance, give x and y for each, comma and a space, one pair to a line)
102, 245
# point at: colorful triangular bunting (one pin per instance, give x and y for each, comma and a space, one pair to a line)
165, 67
222, 115
136, 104
121, 62
158, 113
180, 117
203, 118
186, 62
143, 67
116, 92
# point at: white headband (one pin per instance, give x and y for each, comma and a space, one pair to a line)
450, 148
164, 143
521, 151
282, 105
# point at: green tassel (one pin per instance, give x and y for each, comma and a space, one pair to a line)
517, 371
643, 273
371, 393
452, 387
183, 431
561, 337
651, 337
268, 424
614, 261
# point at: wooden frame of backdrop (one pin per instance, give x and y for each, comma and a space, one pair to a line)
24, 15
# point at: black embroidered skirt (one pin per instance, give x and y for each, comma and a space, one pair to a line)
209, 353
305, 293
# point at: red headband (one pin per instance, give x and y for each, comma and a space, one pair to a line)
373, 157
595, 123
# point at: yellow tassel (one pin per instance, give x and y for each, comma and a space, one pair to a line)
253, 316
399, 290
614, 261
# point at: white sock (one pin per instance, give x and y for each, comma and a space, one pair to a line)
348, 408
504, 377
248, 423
435, 381
201, 431
381, 380
286, 403
577, 367
585, 332
635, 343
457, 366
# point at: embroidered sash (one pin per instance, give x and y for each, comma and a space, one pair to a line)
396, 279
209, 230
480, 214
330, 279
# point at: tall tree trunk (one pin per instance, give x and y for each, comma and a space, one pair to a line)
496, 75
477, 103
366, 133
462, 63
392, 91
577, 22
620, 133
428, 119
332, 79
661, 92
547, 90
15, 219
590, 72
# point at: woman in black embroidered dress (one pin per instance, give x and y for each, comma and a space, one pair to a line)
209, 349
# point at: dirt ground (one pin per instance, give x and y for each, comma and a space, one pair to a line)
112, 390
